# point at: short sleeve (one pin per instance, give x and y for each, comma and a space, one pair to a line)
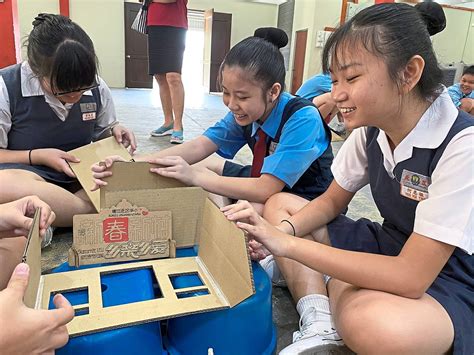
447, 214
302, 141
455, 94
106, 118
350, 167
227, 135
5, 115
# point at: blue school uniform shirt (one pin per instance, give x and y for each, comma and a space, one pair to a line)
302, 140
457, 95
315, 86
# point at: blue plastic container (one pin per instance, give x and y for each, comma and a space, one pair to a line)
119, 288
244, 329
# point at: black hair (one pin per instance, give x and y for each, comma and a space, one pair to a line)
260, 56
468, 70
433, 15
394, 32
60, 50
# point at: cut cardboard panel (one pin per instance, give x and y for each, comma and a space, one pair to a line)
93, 153
32, 256
186, 205
125, 232
127, 176
223, 249
229, 286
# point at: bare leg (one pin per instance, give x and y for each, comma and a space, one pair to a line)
165, 97
301, 280
16, 184
374, 322
11, 251
176, 90
215, 164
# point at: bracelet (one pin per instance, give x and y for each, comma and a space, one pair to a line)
29, 156
291, 224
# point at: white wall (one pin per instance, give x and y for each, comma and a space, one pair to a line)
104, 22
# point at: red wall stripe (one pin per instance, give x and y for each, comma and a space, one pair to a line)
9, 33
64, 7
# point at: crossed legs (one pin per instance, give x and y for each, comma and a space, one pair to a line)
369, 321
15, 184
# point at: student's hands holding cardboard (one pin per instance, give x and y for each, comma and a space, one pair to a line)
258, 229
16, 217
126, 137
177, 168
101, 170
54, 158
28, 331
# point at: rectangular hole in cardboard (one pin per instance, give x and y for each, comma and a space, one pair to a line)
75, 296
195, 293
185, 280
123, 287
81, 311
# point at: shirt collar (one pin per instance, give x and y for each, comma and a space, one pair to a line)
429, 132
271, 124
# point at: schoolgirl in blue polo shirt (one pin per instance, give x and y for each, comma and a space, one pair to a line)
297, 154
315, 86
405, 286
50, 104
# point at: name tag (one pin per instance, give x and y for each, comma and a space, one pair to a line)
88, 110
414, 186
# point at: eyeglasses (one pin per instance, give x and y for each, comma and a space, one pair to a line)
78, 91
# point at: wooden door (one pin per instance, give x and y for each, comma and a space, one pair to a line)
136, 52
217, 30
298, 62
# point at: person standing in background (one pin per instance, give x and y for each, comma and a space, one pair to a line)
167, 26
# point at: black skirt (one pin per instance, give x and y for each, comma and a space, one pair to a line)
165, 49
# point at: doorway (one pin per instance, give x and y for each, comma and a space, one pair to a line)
298, 62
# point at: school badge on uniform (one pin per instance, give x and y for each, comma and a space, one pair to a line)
414, 186
88, 110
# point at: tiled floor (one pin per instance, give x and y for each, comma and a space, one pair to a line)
140, 110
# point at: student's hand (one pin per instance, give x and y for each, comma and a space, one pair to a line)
16, 216
257, 228
175, 167
55, 159
126, 137
28, 331
101, 170
467, 104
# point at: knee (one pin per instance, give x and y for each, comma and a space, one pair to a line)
161, 79
277, 202
368, 328
173, 79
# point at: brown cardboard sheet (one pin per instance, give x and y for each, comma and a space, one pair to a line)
222, 265
32, 256
90, 154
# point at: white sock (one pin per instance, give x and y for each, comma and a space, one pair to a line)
320, 304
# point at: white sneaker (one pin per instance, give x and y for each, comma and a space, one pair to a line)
48, 237
271, 268
314, 337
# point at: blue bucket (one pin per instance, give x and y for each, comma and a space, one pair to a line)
244, 329
144, 339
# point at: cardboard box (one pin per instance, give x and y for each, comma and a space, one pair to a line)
223, 265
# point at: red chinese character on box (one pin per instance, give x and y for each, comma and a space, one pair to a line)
115, 229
